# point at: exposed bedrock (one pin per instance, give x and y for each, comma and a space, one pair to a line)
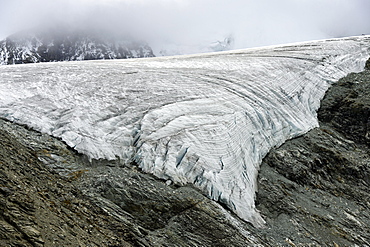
314, 189
101, 204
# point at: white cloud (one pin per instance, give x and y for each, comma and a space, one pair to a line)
191, 23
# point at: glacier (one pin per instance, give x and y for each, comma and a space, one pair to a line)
206, 119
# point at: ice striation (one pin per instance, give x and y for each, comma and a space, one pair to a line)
204, 119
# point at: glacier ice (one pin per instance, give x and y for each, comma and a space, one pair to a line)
205, 119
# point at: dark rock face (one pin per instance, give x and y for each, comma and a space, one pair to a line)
99, 204
347, 107
313, 191
66, 45
40, 208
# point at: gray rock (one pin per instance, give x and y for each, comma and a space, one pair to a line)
314, 189
41, 208
51, 195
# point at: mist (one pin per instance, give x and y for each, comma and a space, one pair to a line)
192, 26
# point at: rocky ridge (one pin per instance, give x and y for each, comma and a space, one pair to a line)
61, 44
313, 190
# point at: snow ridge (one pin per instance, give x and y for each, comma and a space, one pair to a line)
205, 119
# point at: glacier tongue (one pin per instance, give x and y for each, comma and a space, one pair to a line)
205, 119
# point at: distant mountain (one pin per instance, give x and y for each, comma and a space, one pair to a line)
172, 49
61, 44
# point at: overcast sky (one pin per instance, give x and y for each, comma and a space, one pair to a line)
188, 25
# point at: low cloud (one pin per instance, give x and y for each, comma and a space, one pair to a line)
189, 26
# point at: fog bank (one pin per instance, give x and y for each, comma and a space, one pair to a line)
190, 26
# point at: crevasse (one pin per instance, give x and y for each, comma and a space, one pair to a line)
205, 119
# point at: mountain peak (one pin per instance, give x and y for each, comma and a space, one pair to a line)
62, 43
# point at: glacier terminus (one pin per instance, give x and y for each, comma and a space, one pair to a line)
206, 119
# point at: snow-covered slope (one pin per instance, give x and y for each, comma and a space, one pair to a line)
67, 45
205, 119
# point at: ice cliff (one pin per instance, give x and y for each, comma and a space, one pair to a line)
204, 119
